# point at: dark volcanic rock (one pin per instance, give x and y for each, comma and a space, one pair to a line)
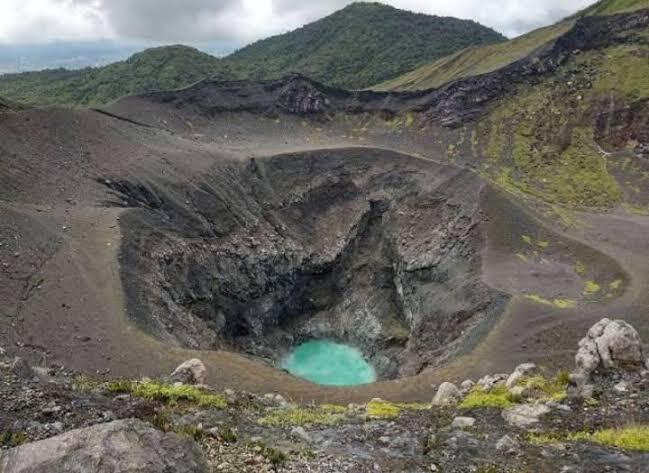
451, 105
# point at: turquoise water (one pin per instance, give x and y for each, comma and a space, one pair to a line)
329, 363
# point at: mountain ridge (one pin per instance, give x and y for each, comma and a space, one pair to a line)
334, 49
478, 60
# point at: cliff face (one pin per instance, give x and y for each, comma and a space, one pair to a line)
314, 245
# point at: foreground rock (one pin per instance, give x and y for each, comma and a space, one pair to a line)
525, 369
525, 415
608, 345
190, 372
123, 446
447, 394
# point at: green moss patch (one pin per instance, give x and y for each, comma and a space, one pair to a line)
380, 409
496, 397
326, 414
591, 287
541, 388
540, 141
559, 303
633, 437
153, 391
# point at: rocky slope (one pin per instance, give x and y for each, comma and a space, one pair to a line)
596, 419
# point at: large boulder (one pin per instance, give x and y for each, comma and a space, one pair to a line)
447, 394
190, 372
122, 446
610, 344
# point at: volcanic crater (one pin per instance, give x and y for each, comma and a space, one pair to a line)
244, 218
258, 256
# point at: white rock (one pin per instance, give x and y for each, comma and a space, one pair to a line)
490, 381
524, 415
447, 393
300, 434
506, 443
621, 387
467, 385
609, 344
619, 343
463, 422
190, 372
587, 358
525, 369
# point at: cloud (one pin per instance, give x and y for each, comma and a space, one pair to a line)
38, 21
235, 21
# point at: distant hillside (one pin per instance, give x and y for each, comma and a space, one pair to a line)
610, 7
154, 69
356, 47
360, 45
479, 60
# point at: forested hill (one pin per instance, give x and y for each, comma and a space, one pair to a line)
360, 45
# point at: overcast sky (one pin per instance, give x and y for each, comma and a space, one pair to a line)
234, 22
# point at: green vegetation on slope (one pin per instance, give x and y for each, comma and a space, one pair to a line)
631, 437
154, 69
360, 45
480, 60
610, 7
540, 140
475, 60
355, 47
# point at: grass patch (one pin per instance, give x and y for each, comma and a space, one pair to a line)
414, 406
326, 414
548, 438
153, 391
497, 397
610, 7
633, 437
553, 389
591, 287
559, 303
379, 409
615, 285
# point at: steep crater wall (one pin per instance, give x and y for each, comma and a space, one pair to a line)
366, 246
